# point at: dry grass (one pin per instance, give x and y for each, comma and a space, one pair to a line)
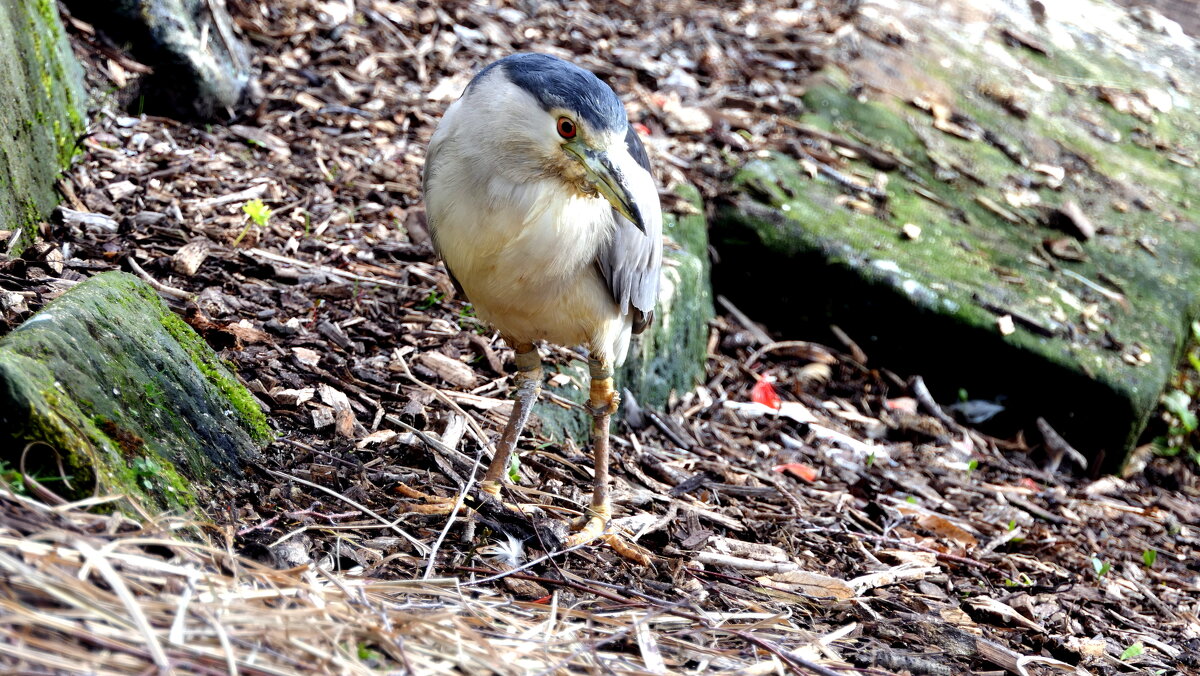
105, 594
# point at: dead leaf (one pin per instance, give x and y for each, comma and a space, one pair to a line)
1065, 248
944, 528
798, 470
810, 584
448, 369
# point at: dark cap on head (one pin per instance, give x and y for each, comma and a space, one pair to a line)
556, 83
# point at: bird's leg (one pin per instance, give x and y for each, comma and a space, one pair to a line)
529, 384
602, 402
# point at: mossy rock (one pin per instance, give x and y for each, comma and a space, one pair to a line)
1095, 340
668, 358
41, 112
201, 66
109, 385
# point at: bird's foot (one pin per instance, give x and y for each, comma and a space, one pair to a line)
595, 527
490, 490
430, 504
603, 399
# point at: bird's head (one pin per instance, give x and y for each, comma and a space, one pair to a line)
552, 119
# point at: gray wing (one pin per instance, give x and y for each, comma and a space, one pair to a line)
632, 261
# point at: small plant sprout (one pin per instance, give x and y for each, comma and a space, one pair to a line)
432, 299
1100, 567
1132, 651
972, 466
1023, 580
514, 468
257, 214
1149, 556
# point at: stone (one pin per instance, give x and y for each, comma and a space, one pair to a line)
668, 357
41, 113
109, 385
981, 302
201, 66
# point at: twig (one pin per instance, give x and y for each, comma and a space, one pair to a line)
714, 559
420, 546
549, 581
1035, 510
526, 565
921, 392
476, 430
814, 348
458, 503
322, 268
455, 456
1057, 447
941, 556
1107, 293
158, 286
671, 434
757, 333
118, 586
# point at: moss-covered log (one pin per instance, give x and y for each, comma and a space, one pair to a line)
995, 172
41, 112
201, 65
108, 385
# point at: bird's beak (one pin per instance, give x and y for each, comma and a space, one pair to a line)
610, 173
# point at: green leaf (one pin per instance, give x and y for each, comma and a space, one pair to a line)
514, 468
1179, 404
1149, 556
1101, 567
257, 211
1132, 651
972, 466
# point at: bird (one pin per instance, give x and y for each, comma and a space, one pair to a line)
542, 205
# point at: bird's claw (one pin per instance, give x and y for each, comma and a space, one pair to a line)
596, 528
430, 504
490, 491
491, 488
604, 403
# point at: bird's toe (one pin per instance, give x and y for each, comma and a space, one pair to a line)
595, 527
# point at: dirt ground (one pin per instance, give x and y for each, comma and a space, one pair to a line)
859, 529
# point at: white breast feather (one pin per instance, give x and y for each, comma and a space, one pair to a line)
522, 247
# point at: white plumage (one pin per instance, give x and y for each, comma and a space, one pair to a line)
520, 241
541, 204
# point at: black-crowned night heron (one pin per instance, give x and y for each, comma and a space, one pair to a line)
541, 204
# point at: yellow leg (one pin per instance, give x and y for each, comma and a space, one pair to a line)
603, 401
430, 504
529, 385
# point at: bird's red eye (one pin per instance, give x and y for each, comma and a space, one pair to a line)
566, 128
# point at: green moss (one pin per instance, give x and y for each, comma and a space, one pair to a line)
41, 104
115, 382
219, 374
968, 257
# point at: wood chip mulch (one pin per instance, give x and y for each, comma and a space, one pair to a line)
809, 511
